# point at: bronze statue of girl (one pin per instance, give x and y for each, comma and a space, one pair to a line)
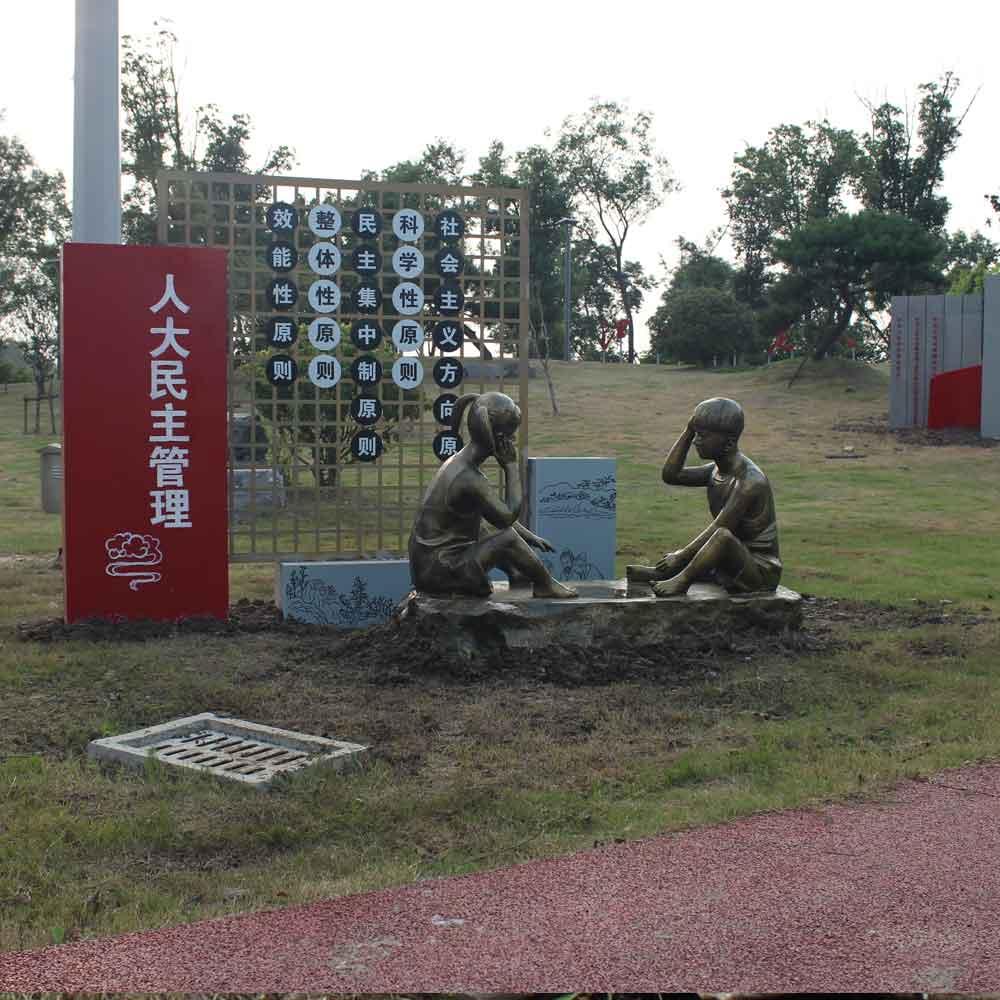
447, 555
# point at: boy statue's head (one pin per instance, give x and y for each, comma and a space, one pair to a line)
718, 424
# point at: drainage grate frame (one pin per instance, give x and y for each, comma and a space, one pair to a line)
242, 751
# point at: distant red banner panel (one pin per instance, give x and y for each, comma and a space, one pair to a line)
144, 356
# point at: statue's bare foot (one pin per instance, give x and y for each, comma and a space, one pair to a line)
641, 574
670, 588
552, 589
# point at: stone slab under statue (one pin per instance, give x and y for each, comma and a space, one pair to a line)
606, 614
726, 578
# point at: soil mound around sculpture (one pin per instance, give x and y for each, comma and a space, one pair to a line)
416, 652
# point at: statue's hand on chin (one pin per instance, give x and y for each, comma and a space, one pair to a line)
504, 449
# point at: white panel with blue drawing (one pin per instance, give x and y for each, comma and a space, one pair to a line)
572, 503
351, 594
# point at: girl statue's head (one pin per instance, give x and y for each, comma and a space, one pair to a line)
492, 417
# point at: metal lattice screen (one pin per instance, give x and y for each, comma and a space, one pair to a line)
359, 311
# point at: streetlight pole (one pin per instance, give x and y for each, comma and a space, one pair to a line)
568, 222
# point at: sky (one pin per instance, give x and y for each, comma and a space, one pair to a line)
325, 78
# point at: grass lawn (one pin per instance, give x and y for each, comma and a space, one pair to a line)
476, 775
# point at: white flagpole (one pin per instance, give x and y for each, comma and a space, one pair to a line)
97, 206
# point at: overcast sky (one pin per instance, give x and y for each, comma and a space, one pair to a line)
362, 85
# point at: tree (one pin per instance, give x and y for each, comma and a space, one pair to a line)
698, 268
844, 270
33, 326
967, 281
34, 222
967, 260
786, 206
536, 170
694, 325
440, 163
902, 170
154, 136
610, 165
598, 283
699, 316
800, 174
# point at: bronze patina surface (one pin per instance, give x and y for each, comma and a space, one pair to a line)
447, 555
739, 549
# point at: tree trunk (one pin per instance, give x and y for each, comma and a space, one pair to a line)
39, 395
545, 371
544, 358
623, 291
52, 406
825, 343
545, 366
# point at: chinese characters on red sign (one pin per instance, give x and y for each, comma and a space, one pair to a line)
144, 388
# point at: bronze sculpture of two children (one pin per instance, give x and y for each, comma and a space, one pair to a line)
738, 550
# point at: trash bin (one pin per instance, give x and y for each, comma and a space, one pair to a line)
52, 478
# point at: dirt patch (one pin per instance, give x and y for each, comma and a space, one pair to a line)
921, 436
389, 654
825, 612
934, 647
245, 618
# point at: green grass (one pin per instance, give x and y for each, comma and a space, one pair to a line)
467, 777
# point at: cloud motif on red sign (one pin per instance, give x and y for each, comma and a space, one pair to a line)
128, 552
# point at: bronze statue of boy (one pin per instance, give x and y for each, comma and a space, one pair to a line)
739, 549
447, 555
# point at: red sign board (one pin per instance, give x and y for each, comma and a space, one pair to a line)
144, 359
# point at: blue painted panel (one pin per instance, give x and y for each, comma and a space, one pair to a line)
572, 504
347, 594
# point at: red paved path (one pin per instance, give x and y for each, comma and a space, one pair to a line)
901, 895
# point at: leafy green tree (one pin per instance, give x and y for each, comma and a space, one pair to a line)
787, 199
154, 137
699, 316
34, 222
598, 293
33, 327
845, 269
536, 170
967, 260
698, 268
902, 170
440, 163
967, 281
693, 325
610, 164
800, 174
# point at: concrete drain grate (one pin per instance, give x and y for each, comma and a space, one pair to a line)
229, 748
